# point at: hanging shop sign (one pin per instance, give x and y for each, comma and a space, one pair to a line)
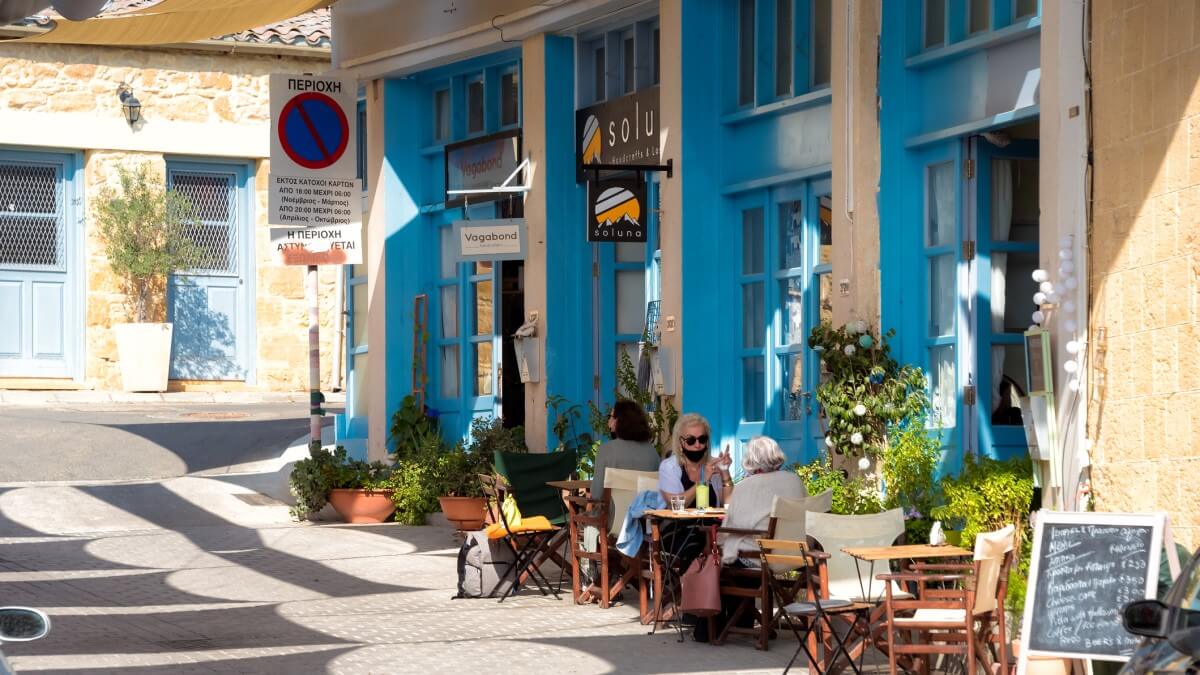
322, 245
616, 210
478, 165
502, 239
621, 131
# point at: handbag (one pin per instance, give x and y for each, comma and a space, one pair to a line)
701, 583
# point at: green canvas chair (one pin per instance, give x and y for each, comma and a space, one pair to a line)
526, 476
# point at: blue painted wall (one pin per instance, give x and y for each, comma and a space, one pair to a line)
728, 156
931, 101
569, 325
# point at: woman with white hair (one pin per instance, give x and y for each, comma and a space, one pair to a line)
750, 507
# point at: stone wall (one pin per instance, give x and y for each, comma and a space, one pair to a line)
1145, 351
214, 98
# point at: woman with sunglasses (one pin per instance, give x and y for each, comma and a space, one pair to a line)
681, 471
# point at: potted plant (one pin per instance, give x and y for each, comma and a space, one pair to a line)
460, 494
359, 491
144, 228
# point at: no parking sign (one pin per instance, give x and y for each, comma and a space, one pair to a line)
314, 124
313, 189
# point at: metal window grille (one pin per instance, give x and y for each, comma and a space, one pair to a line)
32, 232
212, 196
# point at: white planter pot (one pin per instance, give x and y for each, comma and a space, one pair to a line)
144, 353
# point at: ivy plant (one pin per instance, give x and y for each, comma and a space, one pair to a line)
866, 391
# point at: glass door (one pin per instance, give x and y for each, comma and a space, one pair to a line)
1006, 232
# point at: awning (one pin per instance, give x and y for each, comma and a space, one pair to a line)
175, 21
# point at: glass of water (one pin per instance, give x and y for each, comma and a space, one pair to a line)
677, 504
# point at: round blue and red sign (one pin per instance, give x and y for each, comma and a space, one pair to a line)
313, 130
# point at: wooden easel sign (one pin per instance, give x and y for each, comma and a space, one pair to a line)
1085, 568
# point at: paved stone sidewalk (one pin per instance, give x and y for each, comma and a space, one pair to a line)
180, 576
27, 397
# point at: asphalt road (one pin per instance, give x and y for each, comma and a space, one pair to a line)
135, 442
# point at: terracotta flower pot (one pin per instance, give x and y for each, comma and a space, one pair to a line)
465, 513
362, 506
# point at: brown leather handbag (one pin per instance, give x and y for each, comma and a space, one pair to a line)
702, 582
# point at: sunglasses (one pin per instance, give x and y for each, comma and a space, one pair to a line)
692, 440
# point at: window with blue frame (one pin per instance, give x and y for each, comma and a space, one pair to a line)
783, 49
946, 22
464, 323
941, 242
617, 61
784, 238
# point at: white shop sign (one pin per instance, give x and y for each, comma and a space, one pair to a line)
502, 239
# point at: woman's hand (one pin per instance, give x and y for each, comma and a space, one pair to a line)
721, 462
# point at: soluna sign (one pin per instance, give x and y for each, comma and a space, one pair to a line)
621, 131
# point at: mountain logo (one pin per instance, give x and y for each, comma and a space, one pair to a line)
616, 204
591, 141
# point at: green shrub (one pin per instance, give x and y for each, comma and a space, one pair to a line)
415, 482
908, 468
851, 496
412, 427
987, 496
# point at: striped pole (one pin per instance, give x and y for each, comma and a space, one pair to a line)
314, 361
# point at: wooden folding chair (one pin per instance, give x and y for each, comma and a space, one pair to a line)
749, 586
956, 608
811, 619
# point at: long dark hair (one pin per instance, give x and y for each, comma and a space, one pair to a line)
632, 424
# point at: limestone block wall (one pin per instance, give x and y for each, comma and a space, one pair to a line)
195, 105
1145, 260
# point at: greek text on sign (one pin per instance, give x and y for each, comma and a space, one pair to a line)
317, 245
502, 239
314, 124
311, 202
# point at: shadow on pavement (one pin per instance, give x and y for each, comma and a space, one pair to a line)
308, 662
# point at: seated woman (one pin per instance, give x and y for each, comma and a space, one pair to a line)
680, 471
750, 508
630, 447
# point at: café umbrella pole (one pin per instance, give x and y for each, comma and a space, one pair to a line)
314, 361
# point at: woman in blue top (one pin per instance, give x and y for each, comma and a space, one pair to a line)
679, 473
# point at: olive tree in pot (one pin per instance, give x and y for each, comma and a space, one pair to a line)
144, 228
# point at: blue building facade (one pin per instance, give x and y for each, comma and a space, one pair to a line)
958, 203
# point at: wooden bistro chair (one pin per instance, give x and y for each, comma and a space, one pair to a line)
852, 579
605, 513
815, 613
786, 522
958, 619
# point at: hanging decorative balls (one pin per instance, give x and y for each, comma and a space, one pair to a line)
865, 341
864, 463
828, 442
848, 350
860, 410
856, 438
1070, 366
1038, 317
1040, 275
1039, 298
1072, 347
1046, 287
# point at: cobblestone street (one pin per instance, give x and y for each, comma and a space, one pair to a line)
196, 574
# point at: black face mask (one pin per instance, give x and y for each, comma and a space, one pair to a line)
695, 455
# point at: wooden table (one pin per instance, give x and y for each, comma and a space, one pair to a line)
571, 485
873, 554
661, 568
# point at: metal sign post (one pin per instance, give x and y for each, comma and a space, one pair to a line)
315, 397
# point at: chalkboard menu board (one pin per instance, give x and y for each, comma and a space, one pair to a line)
1085, 568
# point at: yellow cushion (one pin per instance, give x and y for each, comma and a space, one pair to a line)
516, 524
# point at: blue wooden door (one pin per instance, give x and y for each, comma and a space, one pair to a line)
41, 333
1006, 234
210, 305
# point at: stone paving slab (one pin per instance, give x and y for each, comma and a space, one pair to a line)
197, 583
26, 397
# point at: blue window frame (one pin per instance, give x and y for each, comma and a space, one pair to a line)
782, 49
934, 24
941, 239
617, 61
782, 243
463, 355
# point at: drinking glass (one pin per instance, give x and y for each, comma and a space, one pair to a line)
677, 504
702, 496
